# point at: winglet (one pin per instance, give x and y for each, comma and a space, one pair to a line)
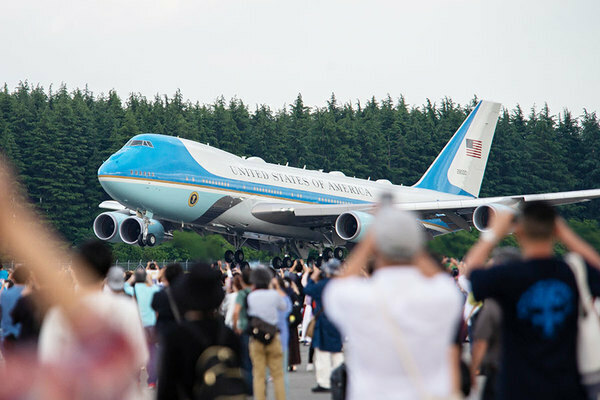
460, 167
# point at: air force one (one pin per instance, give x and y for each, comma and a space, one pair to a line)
163, 183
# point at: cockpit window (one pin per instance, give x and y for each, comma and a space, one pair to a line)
146, 143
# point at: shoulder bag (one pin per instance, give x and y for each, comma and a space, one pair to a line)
310, 328
588, 324
260, 329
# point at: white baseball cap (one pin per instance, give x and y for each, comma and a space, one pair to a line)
398, 234
115, 279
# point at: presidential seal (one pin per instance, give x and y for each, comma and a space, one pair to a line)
193, 199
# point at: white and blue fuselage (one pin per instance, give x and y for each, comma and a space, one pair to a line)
190, 183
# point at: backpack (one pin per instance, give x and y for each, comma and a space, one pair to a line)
218, 370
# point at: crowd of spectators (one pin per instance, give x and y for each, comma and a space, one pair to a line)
390, 322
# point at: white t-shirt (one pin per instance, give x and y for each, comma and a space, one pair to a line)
425, 310
56, 341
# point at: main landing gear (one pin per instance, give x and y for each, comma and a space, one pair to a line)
149, 241
236, 258
328, 254
279, 263
145, 238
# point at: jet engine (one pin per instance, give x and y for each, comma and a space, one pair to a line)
131, 229
352, 225
106, 226
482, 215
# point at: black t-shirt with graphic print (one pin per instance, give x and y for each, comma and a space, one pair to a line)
539, 301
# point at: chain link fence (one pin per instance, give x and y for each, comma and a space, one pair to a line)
128, 265
131, 265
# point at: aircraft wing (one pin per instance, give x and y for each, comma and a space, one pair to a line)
305, 215
456, 213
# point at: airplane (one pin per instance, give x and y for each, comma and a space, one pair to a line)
162, 183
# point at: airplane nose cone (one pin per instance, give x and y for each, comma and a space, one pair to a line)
112, 166
108, 167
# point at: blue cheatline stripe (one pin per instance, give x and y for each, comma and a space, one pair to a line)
128, 161
437, 177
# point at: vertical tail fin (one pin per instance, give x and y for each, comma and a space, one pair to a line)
459, 168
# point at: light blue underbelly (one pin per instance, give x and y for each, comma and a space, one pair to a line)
168, 202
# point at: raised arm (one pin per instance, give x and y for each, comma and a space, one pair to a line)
27, 239
359, 257
501, 224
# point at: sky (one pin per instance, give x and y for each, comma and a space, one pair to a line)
267, 51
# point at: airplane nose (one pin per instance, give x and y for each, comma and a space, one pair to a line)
108, 167
112, 166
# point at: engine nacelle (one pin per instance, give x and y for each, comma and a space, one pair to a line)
132, 227
106, 226
483, 214
352, 225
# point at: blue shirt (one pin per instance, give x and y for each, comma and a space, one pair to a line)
282, 323
8, 300
326, 336
3, 274
143, 295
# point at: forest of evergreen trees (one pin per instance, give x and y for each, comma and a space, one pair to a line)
57, 139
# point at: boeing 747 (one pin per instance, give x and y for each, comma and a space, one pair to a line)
162, 183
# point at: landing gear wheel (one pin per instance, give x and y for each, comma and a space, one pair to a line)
338, 253
287, 262
327, 254
276, 263
239, 256
244, 265
229, 257
150, 240
141, 242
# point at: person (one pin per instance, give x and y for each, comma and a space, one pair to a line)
115, 281
233, 286
101, 360
264, 303
307, 314
8, 300
161, 304
283, 328
29, 313
153, 272
327, 340
197, 296
3, 274
240, 326
400, 322
539, 299
56, 341
486, 343
141, 288
294, 320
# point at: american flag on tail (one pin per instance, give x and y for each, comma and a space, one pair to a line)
474, 148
